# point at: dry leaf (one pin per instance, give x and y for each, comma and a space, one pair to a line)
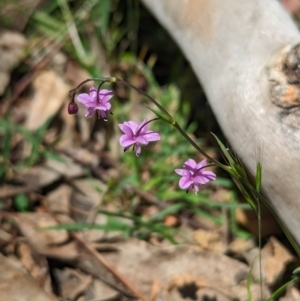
12, 45
71, 283
274, 259
18, 11
208, 240
36, 265
58, 200
4, 238
51, 243
50, 93
17, 285
34, 178
214, 270
239, 245
101, 292
31, 223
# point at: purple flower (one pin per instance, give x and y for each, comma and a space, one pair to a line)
193, 175
94, 103
136, 134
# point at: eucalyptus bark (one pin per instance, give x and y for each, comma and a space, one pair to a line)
245, 54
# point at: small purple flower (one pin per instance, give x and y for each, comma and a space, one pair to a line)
136, 134
94, 103
193, 175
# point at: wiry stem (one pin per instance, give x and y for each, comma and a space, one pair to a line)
98, 90
102, 79
145, 94
147, 122
199, 149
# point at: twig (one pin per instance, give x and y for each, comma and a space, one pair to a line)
148, 197
103, 261
93, 252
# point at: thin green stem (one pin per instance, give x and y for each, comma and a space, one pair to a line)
199, 149
145, 94
140, 129
280, 222
103, 79
259, 250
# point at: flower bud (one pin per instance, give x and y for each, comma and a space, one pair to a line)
72, 108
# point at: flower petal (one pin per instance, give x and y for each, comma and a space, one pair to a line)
125, 141
185, 183
126, 130
204, 177
90, 112
201, 164
151, 136
84, 98
106, 95
196, 188
133, 125
209, 175
92, 89
130, 124
138, 149
142, 127
190, 164
100, 108
93, 93
102, 114
183, 172
141, 140
106, 105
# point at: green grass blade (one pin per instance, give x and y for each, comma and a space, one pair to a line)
258, 177
282, 289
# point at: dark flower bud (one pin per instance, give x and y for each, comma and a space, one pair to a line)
72, 108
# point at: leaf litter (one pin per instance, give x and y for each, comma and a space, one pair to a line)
70, 182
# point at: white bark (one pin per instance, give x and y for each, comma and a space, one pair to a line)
232, 45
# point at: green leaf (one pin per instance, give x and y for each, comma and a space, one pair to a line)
296, 271
110, 226
52, 156
21, 202
225, 151
162, 115
282, 289
102, 10
245, 194
45, 19
248, 285
167, 211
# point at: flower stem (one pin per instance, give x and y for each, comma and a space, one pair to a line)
196, 146
147, 122
146, 95
103, 79
98, 90
287, 233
